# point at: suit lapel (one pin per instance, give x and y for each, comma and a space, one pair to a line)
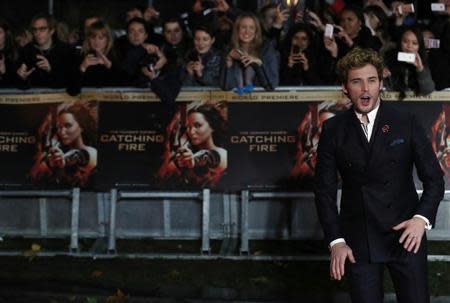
355, 126
381, 132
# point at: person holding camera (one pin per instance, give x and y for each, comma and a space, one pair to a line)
8, 54
272, 21
144, 65
204, 61
250, 62
98, 65
407, 65
137, 53
350, 33
45, 62
298, 58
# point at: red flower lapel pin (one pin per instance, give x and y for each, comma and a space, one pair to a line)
385, 128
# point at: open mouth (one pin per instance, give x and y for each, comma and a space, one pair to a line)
365, 99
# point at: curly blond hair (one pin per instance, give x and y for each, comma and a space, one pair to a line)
356, 58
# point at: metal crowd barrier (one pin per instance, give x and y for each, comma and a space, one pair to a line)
248, 196
121, 195
73, 195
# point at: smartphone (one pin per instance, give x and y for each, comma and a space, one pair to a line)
406, 57
406, 9
193, 56
240, 52
329, 28
296, 49
306, 17
92, 52
438, 7
432, 43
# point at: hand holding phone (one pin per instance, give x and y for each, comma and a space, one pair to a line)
296, 49
432, 43
406, 9
438, 7
329, 29
194, 56
406, 57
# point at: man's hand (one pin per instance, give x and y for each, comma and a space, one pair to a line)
23, 71
43, 63
331, 46
339, 254
281, 16
411, 237
222, 6
2, 65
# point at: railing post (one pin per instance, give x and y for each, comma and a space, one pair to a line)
205, 221
75, 220
112, 222
244, 250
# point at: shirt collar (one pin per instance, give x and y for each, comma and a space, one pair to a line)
370, 115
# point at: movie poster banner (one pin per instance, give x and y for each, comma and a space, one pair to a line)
213, 139
273, 137
144, 144
47, 141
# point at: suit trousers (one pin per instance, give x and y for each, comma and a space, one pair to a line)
408, 274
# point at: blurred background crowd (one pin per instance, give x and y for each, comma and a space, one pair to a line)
221, 44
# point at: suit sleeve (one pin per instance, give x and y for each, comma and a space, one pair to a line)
326, 184
429, 173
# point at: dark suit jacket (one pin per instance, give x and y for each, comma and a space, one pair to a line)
378, 189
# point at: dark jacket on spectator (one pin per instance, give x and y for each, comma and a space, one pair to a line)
175, 54
100, 75
404, 76
131, 61
439, 61
212, 62
62, 61
9, 78
295, 75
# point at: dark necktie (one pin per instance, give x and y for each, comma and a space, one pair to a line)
365, 125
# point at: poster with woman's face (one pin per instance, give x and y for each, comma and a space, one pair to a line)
195, 153
66, 153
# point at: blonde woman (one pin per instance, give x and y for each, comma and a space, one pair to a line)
98, 66
250, 62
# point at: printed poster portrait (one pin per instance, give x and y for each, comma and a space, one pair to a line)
66, 153
195, 154
308, 134
440, 139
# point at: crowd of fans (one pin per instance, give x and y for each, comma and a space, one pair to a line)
217, 45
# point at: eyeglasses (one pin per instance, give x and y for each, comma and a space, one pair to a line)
39, 29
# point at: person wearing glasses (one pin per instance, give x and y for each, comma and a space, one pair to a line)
45, 62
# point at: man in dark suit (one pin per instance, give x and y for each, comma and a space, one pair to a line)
381, 222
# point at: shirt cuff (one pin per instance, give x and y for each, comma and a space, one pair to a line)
428, 226
339, 240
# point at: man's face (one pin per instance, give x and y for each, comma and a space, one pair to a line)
136, 33
173, 33
42, 34
363, 88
